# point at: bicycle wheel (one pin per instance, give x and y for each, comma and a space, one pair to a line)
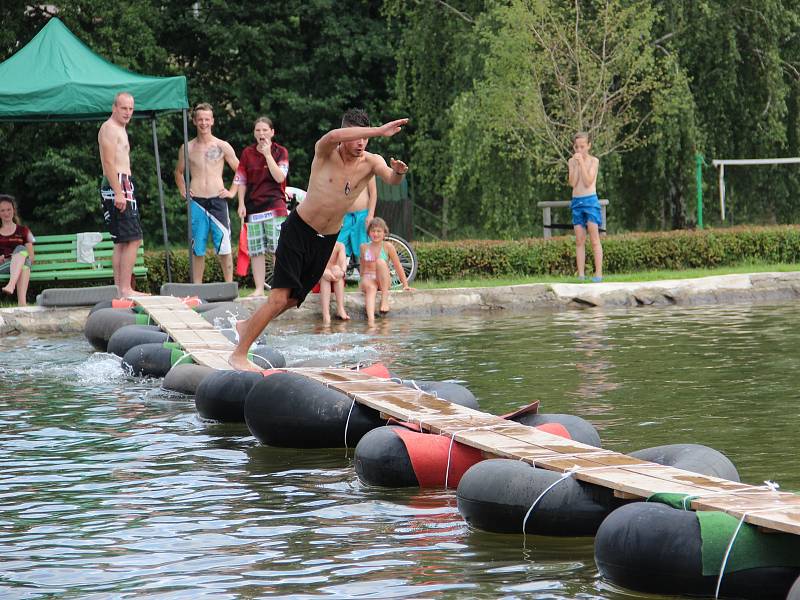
408, 260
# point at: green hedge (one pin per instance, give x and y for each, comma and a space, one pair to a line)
671, 250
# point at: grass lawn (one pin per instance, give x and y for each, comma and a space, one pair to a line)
610, 277
622, 277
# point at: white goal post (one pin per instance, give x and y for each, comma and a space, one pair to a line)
744, 161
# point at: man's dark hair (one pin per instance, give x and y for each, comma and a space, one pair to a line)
355, 117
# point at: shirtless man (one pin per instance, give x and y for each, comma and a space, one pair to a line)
120, 210
209, 206
340, 171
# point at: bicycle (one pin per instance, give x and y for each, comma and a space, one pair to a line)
408, 258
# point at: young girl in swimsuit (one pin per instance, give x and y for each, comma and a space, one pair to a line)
375, 275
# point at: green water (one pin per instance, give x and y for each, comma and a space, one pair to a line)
110, 489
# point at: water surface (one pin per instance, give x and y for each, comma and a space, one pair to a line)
110, 488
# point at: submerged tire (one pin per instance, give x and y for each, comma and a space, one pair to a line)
185, 379
101, 325
651, 547
150, 360
496, 494
691, 457
221, 395
267, 358
579, 429
400, 457
99, 305
125, 338
794, 593
292, 411
446, 390
225, 315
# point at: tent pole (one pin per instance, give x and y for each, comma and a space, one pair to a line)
161, 200
186, 181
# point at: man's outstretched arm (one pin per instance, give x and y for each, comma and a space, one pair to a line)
328, 142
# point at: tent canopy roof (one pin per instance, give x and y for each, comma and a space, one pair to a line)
56, 77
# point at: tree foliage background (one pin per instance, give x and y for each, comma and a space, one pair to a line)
494, 90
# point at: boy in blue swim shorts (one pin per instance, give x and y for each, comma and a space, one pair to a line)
586, 217
208, 197
354, 225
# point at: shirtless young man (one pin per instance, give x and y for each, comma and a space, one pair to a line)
340, 171
209, 206
120, 210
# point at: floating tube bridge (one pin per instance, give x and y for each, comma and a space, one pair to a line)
629, 477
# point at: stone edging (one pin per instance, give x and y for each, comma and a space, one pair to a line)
720, 289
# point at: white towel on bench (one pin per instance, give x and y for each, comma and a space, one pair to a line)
85, 243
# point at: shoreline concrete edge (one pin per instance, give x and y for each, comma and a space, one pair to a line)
718, 289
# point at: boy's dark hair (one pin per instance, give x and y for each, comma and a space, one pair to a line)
355, 117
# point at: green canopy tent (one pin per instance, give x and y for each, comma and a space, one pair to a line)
56, 77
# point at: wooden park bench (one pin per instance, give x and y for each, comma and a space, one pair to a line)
547, 218
56, 259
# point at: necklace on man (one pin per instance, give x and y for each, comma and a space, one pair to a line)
347, 188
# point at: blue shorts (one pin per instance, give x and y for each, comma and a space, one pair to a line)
210, 215
586, 209
354, 232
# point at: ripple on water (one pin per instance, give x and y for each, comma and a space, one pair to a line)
109, 489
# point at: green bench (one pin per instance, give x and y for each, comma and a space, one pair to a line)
56, 259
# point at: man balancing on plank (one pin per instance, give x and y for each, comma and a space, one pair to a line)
340, 171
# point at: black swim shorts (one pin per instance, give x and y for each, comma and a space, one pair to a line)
301, 257
123, 226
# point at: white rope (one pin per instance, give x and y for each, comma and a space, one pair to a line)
449, 453
733, 539
566, 475
346, 425
269, 364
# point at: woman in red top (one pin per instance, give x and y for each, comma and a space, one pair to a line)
16, 249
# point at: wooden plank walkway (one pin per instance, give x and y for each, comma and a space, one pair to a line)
629, 477
198, 337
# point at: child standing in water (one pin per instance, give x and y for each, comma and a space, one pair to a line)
333, 277
375, 275
583, 168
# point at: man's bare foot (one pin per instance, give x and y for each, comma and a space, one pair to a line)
326, 321
8, 290
129, 293
242, 364
256, 294
343, 316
